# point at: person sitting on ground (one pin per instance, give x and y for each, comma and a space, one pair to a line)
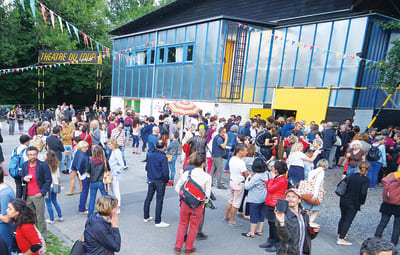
101, 233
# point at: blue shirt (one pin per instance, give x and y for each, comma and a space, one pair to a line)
382, 156
6, 194
217, 150
152, 140
157, 167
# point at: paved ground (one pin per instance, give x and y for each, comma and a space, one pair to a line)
143, 238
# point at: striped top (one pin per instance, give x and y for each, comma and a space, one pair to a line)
119, 135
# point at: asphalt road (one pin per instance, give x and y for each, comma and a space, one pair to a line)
143, 238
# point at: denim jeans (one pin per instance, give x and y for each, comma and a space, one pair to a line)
332, 153
84, 195
94, 186
228, 151
172, 167
135, 141
122, 149
352, 170
127, 132
152, 188
52, 199
69, 157
382, 225
373, 172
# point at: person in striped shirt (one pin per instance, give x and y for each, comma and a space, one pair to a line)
119, 135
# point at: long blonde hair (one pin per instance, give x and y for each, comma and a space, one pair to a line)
296, 147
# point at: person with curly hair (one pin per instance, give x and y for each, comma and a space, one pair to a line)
29, 239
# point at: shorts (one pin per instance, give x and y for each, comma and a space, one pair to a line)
257, 212
237, 191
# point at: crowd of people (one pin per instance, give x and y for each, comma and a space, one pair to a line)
276, 169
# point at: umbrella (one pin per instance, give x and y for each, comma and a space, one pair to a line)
184, 108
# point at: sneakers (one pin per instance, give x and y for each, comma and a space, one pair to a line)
343, 242
201, 236
162, 225
193, 250
148, 219
125, 167
225, 220
60, 219
49, 221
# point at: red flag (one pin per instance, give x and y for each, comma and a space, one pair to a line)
44, 13
105, 50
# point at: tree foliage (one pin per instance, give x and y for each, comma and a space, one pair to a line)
390, 69
22, 37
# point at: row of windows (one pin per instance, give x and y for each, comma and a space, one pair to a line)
173, 54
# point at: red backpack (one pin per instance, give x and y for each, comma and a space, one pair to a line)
32, 130
391, 189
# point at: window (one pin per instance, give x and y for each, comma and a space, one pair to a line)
161, 56
189, 53
171, 55
152, 56
141, 58
179, 54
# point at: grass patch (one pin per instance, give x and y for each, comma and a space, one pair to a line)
55, 246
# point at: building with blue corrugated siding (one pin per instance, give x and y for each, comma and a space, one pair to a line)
233, 56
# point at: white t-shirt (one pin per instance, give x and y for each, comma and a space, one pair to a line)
237, 167
296, 158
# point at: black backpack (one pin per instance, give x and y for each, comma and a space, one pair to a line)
374, 153
260, 138
191, 193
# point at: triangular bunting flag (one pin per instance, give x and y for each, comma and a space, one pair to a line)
76, 33
43, 9
52, 19
61, 25
32, 4
69, 30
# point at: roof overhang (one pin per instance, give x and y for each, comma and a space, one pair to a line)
222, 17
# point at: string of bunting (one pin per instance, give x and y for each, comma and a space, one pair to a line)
55, 65
311, 47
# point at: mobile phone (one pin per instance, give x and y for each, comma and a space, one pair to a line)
282, 205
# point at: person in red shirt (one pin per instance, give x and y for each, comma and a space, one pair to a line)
28, 238
276, 187
37, 179
87, 138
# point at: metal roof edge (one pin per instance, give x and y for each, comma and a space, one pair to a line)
254, 22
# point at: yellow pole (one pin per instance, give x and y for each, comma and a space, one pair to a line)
377, 114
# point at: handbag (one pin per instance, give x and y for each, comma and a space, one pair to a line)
169, 157
56, 188
107, 179
306, 189
341, 187
77, 248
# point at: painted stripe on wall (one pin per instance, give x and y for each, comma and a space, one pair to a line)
113, 69
184, 58
271, 45
216, 62
119, 68
140, 73
125, 70
173, 70
132, 76
258, 61
283, 58
222, 58
204, 63
147, 70
342, 61
327, 54
312, 54
297, 54
165, 61
194, 58
245, 65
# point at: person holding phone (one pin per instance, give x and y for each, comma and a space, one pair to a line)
101, 233
276, 187
293, 225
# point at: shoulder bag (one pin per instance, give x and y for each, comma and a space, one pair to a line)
107, 180
306, 189
341, 187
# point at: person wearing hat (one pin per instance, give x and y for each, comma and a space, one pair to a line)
293, 227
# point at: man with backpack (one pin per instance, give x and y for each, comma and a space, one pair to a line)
390, 206
191, 212
17, 159
54, 143
128, 125
376, 157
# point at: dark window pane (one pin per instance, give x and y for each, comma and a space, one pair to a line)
161, 56
152, 57
189, 53
171, 55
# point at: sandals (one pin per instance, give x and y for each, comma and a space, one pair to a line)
258, 233
247, 235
